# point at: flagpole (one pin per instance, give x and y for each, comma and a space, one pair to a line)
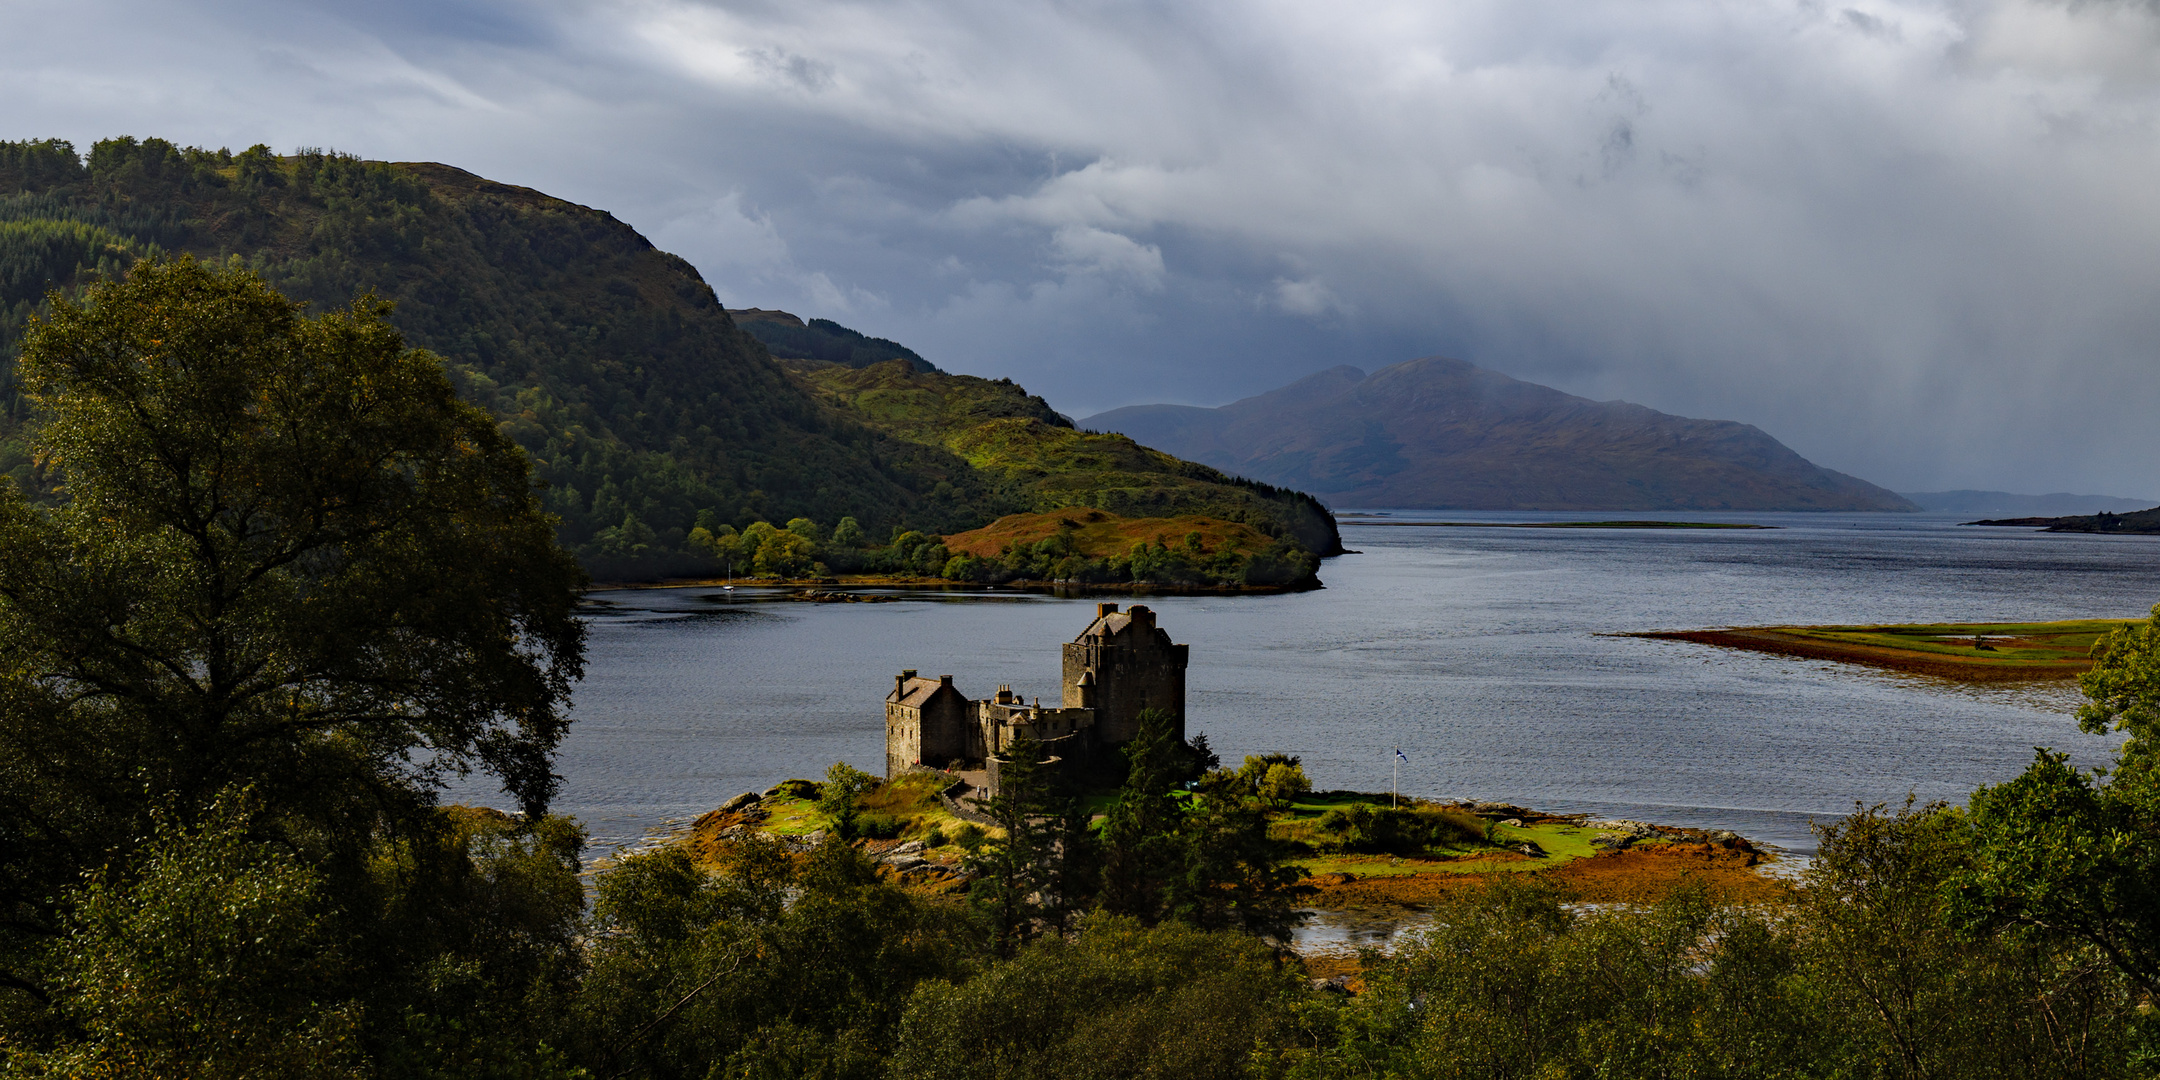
1396, 781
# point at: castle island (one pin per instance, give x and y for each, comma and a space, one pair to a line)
1120, 665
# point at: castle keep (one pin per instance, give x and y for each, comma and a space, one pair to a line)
1121, 664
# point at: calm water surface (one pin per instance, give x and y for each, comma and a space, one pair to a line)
1482, 653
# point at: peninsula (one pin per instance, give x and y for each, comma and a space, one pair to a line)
2137, 522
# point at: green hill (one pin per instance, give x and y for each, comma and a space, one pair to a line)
647, 410
1039, 461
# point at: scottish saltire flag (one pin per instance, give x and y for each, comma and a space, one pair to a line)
1399, 756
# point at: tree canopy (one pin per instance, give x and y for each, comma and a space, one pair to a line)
280, 555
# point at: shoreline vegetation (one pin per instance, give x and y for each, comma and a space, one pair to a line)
1968, 652
1070, 547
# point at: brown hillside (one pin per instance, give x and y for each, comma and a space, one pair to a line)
1100, 534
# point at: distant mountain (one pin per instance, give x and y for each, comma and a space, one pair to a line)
1444, 434
2009, 505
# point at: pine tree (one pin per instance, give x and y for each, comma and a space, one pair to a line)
1013, 871
1140, 834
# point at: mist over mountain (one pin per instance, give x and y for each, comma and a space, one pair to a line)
1442, 433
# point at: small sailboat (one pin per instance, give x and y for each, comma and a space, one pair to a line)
730, 586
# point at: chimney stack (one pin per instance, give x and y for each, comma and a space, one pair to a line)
1105, 609
899, 683
1142, 617
944, 680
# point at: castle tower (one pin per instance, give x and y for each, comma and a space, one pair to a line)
1121, 664
926, 723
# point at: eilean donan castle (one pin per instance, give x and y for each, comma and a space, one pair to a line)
1121, 664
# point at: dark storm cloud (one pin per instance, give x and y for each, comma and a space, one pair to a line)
1915, 240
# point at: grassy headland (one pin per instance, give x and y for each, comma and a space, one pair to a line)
1965, 651
1040, 462
1133, 511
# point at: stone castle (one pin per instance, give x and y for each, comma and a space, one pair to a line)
1121, 664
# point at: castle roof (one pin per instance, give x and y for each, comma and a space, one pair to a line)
1106, 625
917, 692
1110, 622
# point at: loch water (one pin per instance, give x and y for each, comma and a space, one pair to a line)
1485, 654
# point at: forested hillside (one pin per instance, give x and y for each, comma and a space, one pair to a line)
647, 410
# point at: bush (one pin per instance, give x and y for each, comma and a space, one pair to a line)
219, 958
877, 826
838, 797
1278, 778
1125, 1000
1410, 830
935, 838
969, 836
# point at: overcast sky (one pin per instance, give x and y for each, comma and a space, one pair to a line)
1917, 241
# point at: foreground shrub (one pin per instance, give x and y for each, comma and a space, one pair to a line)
1865, 975
1123, 1000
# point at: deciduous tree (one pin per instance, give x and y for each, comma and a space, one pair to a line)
279, 554
2075, 855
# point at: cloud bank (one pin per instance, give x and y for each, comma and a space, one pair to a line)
1915, 240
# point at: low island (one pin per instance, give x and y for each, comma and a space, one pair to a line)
1383, 856
1971, 652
